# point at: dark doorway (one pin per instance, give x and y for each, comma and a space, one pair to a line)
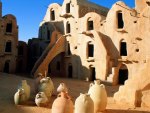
123, 49
69, 52
123, 76
90, 50
90, 25
8, 47
93, 73
68, 28
9, 28
70, 71
52, 15
6, 67
68, 8
120, 20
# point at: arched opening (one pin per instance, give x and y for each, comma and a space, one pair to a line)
90, 25
8, 46
70, 71
52, 15
123, 74
123, 48
68, 8
9, 27
92, 73
120, 20
90, 50
68, 28
6, 67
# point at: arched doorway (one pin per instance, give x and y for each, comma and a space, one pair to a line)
123, 74
6, 67
92, 73
70, 71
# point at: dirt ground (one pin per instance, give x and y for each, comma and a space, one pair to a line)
9, 83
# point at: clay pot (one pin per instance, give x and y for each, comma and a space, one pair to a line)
98, 94
37, 81
62, 88
26, 88
20, 97
62, 104
46, 86
84, 104
41, 100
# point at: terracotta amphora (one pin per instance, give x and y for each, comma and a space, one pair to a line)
62, 104
98, 94
62, 88
84, 104
20, 97
41, 100
26, 88
46, 86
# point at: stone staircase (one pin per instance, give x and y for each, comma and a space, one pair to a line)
56, 46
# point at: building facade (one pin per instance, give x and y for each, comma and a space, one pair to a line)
94, 43
8, 42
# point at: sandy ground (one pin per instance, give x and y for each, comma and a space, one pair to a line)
9, 83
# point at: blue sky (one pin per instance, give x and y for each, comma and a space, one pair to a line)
29, 13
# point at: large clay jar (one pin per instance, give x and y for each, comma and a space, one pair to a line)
26, 88
84, 104
41, 100
19, 97
46, 86
62, 104
98, 94
62, 88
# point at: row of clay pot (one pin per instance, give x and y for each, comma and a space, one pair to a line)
45, 90
93, 102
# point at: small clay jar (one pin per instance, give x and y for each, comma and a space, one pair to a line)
84, 104
98, 94
26, 88
20, 97
62, 104
41, 100
62, 88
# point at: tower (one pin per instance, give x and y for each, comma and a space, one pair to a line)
0, 9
